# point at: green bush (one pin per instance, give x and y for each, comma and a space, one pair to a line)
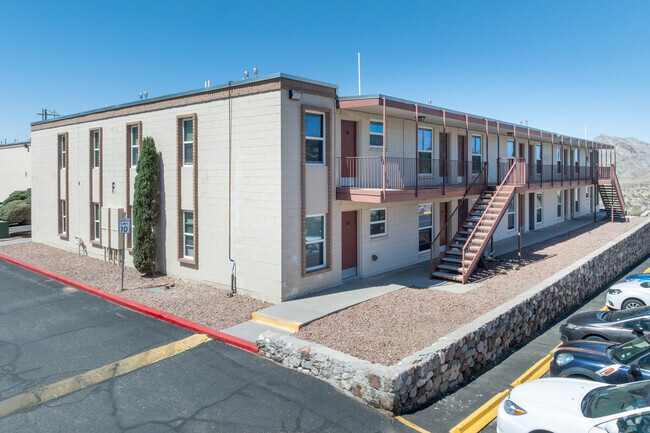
146, 208
23, 195
16, 211
635, 211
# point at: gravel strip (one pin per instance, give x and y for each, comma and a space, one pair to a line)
198, 302
388, 328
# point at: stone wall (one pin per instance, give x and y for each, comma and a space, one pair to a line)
428, 374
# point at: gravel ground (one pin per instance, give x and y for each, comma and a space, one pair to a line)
388, 328
198, 302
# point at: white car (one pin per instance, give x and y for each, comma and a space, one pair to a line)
561, 405
629, 294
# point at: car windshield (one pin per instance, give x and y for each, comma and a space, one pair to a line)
615, 316
626, 352
610, 400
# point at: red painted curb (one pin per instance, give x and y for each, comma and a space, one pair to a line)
136, 306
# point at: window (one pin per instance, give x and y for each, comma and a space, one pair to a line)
314, 242
135, 146
425, 226
377, 222
95, 221
188, 234
577, 200
538, 208
62, 147
188, 141
376, 133
576, 158
511, 214
558, 158
425, 151
538, 156
64, 221
314, 139
559, 204
511, 149
95, 149
476, 154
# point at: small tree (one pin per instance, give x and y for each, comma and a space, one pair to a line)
146, 208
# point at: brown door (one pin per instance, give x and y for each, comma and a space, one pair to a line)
349, 244
521, 150
461, 155
463, 210
443, 154
443, 220
348, 148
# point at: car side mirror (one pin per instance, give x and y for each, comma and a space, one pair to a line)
634, 370
638, 329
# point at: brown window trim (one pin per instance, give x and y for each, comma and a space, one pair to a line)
327, 159
129, 205
195, 208
63, 236
91, 162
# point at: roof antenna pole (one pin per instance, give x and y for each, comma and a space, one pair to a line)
359, 69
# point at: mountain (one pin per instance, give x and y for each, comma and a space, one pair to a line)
632, 158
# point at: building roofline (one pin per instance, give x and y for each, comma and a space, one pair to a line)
231, 84
16, 144
462, 113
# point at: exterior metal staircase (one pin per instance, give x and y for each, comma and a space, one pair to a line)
466, 248
610, 192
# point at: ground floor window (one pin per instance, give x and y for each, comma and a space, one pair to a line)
425, 226
538, 208
95, 221
188, 234
577, 200
377, 222
314, 242
64, 220
559, 204
511, 214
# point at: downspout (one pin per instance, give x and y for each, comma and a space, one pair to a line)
233, 272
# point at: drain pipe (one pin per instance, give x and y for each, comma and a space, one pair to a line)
233, 272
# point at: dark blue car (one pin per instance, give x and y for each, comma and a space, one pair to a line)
603, 361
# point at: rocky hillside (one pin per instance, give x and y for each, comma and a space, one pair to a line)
632, 158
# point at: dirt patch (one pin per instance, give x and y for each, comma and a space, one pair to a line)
198, 302
392, 326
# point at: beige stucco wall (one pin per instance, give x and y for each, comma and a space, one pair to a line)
15, 169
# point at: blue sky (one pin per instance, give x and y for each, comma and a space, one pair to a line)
558, 64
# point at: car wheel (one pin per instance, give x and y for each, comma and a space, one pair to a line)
541, 431
632, 303
595, 338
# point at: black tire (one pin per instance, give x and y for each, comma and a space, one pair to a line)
541, 431
595, 338
580, 376
632, 303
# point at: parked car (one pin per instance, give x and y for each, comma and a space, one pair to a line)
603, 361
575, 406
628, 294
619, 326
638, 277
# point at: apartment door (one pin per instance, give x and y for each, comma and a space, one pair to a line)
522, 150
348, 244
443, 219
572, 203
531, 211
461, 156
348, 152
463, 210
443, 155
567, 204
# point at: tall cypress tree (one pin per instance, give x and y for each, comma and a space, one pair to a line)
146, 208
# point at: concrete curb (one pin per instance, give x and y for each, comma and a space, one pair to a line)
136, 306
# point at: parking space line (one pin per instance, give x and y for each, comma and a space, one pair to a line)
410, 424
101, 374
481, 416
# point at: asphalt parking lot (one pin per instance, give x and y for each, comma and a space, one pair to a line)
446, 413
50, 333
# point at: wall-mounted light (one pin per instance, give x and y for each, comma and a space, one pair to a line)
510, 134
295, 94
420, 118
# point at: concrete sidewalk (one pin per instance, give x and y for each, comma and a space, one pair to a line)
289, 316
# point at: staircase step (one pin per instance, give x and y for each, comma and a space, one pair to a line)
451, 268
457, 260
457, 252
448, 276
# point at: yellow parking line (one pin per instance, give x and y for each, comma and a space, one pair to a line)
538, 370
481, 416
92, 377
410, 424
647, 271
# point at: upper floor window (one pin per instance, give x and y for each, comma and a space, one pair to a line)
188, 141
425, 151
538, 157
95, 149
558, 158
511, 149
576, 158
314, 138
135, 146
376, 133
62, 150
477, 154
377, 222
577, 200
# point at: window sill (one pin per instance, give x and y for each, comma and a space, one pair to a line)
95, 243
316, 164
372, 237
187, 261
375, 147
312, 272
64, 236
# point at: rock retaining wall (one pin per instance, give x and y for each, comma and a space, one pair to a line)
429, 373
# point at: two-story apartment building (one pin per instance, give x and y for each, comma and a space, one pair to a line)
302, 188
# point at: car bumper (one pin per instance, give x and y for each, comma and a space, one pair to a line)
567, 334
614, 301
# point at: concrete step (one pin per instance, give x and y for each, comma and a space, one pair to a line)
448, 276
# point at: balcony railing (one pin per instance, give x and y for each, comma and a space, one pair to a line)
368, 172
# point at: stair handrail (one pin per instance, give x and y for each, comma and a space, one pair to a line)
619, 193
469, 238
478, 176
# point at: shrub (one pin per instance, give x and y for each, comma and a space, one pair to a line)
146, 208
635, 211
21, 195
16, 211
